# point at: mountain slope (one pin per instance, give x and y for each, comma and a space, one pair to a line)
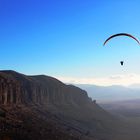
50, 109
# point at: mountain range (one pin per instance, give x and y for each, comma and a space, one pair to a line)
111, 93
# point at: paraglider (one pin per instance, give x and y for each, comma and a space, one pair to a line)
121, 34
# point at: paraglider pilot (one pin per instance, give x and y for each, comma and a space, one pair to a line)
121, 62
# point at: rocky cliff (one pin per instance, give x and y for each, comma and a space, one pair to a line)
40, 107
17, 88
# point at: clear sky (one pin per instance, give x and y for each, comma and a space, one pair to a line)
64, 39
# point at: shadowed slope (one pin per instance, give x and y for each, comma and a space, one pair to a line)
39, 103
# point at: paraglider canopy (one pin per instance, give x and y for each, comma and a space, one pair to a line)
121, 34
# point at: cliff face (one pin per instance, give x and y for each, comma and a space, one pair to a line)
35, 102
9, 91
17, 88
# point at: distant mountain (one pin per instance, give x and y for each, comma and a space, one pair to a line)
110, 93
42, 107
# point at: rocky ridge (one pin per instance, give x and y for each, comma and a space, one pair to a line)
40, 107
17, 88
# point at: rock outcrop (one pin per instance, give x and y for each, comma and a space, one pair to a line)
40, 107
17, 88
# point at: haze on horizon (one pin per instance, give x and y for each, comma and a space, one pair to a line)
64, 39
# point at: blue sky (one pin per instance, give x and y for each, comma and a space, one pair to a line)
65, 38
